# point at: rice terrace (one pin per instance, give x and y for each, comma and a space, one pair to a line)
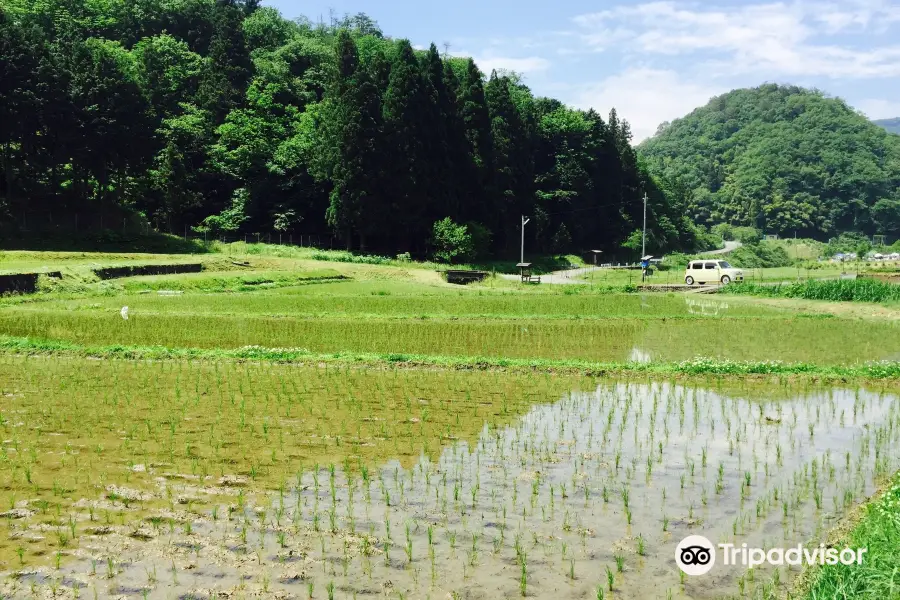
289, 423
293, 307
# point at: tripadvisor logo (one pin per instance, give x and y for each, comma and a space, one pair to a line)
696, 555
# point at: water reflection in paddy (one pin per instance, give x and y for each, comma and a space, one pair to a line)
610, 479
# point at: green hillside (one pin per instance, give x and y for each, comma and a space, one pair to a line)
891, 125
784, 159
223, 118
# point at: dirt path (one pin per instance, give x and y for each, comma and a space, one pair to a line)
570, 276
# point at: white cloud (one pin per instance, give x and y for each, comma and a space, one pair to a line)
774, 38
645, 97
663, 58
876, 108
856, 15
488, 61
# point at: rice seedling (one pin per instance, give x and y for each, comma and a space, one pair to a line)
523, 578
487, 434
667, 339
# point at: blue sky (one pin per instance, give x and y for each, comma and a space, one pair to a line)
657, 60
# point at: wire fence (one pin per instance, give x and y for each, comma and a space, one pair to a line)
278, 238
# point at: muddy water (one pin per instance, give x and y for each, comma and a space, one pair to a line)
619, 474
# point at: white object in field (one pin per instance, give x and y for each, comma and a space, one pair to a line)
124, 312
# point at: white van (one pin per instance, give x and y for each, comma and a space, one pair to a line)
710, 272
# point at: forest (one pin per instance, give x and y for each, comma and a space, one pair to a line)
783, 159
222, 117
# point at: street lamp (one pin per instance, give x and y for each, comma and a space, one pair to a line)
522, 254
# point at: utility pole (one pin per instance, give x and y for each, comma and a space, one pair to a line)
644, 239
522, 254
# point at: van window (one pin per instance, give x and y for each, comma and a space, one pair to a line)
724, 264
710, 265
692, 266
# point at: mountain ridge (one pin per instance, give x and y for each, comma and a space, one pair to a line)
891, 125
784, 159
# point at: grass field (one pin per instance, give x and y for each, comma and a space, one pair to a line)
297, 423
621, 277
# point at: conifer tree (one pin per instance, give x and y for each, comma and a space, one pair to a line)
512, 179
476, 122
406, 108
356, 193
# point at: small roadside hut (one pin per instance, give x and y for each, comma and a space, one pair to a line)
525, 273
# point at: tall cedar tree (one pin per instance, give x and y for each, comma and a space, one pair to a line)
463, 184
511, 186
356, 195
476, 122
407, 117
19, 109
440, 182
228, 67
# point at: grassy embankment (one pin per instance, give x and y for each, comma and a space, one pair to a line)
855, 290
876, 527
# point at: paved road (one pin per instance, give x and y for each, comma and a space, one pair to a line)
573, 276
729, 246
561, 277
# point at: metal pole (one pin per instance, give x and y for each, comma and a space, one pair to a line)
644, 237
522, 253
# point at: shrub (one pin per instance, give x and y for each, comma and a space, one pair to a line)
760, 256
844, 243
481, 238
675, 260
228, 220
723, 230
451, 240
706, 240
747, 235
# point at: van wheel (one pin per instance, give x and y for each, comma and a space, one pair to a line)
726, 279
689, 280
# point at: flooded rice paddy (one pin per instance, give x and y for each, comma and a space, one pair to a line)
374, 300
612, 328
178, 480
